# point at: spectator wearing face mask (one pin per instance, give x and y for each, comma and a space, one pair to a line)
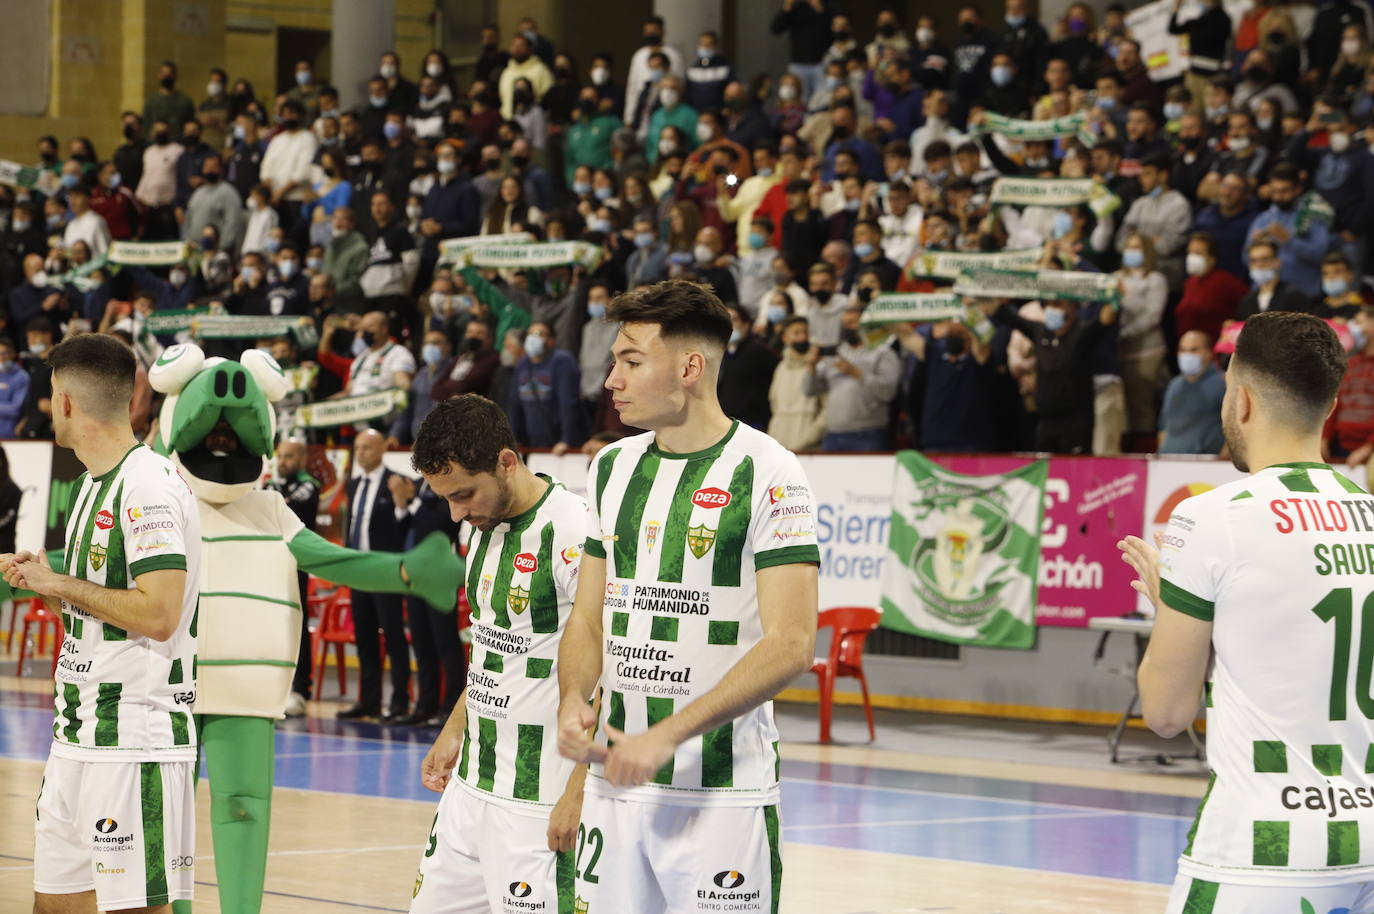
306, 91
436, 363
474, 365
289, 290
286, 164
1297, 226
167, 105
1210, 295
860, 383
589, 138
189, 163
250, 287
545, 401
128, 158
1338, 166
35, 295
261, 219
746, 373
1343, 294
713, 265
1144, 293
1350, 430
171, 294
1190, 418
1208, 33
523, 65
808, 25
648, 263
708, 72
157, 188
346, 259
400, 92
215, 202
797, 417
1270, 293
14, 389
37, 419
115, 203
1162, 214
598, 333
671, 112
24, 235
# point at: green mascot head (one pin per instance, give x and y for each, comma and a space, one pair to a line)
217, 422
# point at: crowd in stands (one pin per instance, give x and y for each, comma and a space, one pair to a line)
1240, 186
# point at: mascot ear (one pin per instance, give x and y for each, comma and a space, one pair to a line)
265, 370
175, 367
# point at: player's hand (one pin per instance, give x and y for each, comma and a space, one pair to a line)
633, 760
439, 761
1144, 558
402, 488
575, 722
564, 819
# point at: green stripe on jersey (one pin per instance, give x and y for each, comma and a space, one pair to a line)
659, 709
615, 716
1342, 843
679, 518
718, 756
463, 757
176, 675
772, 824
494, 662
1298, 481
1369, 759
565, 877
154, 840
538, 667
1197, 818
631, 517
1349, 485
75, 521
1271, 756
77, 628
1271, 843
603, 475
733, 535
181, 731
84, 548
500, 591
1202, 897
543, 595
529, 747
107, 713
71, 703
1327, 759
475, 573
486, 754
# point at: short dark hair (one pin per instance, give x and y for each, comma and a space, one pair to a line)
468, 430
1297, 357
680, 308
1286, 171
1336, 258
105, 363
1207, 240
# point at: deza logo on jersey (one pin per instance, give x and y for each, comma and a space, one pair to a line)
526, 562
710, 498
104, 520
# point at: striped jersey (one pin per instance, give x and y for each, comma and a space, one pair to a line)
683, 535
1282, 564
521, 583
122, 696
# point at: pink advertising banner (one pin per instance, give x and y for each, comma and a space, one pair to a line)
1090, 503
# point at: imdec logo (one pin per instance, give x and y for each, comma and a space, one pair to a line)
710, 498
729, 879
520, 889
106, 826
526, 562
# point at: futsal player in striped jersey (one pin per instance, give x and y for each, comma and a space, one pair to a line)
115, 822
1265, 614
697, 604
503, 835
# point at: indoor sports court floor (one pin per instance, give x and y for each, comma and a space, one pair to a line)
941, 814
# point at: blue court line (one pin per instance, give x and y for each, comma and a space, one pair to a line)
1084, 831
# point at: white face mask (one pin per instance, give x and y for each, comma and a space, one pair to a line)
435, 69
1340, 142
1238, 143
1195, 264
704, 133
1350, 47
600, 75
667, 97
925, 36
214, 89
387, 70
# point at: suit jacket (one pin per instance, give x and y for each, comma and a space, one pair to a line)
385, 533
1287, 297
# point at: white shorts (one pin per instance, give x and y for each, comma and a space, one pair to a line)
482, 858
125, 829
1198, 896
641, 857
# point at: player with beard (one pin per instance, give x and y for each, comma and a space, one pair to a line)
1264, 606
509, 818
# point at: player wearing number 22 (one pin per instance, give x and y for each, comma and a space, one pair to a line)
1264, 594
503, 836
697, 604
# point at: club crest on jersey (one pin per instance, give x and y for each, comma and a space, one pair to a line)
710, 498
651, 534
104, 520
581, 906
486, 586
526, 562
97, 556
700, 539
519, 600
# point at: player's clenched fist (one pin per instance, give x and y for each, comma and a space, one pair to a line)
575, 722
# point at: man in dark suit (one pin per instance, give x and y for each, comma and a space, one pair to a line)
372, 527
302, 494
433, 634
1269, 293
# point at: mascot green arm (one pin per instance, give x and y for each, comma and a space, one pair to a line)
8, 593
434, 570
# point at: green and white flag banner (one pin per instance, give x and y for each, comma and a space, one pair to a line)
913, 308
953, 264
348, 410
1071, 285
1055, 192
964, 553
449, 247
523, 256
40, 179
147, 253
1016, 128
207, 325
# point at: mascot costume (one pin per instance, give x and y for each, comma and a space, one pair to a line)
217, 424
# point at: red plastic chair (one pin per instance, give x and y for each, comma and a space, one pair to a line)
851, 625
39, 615
336, 628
